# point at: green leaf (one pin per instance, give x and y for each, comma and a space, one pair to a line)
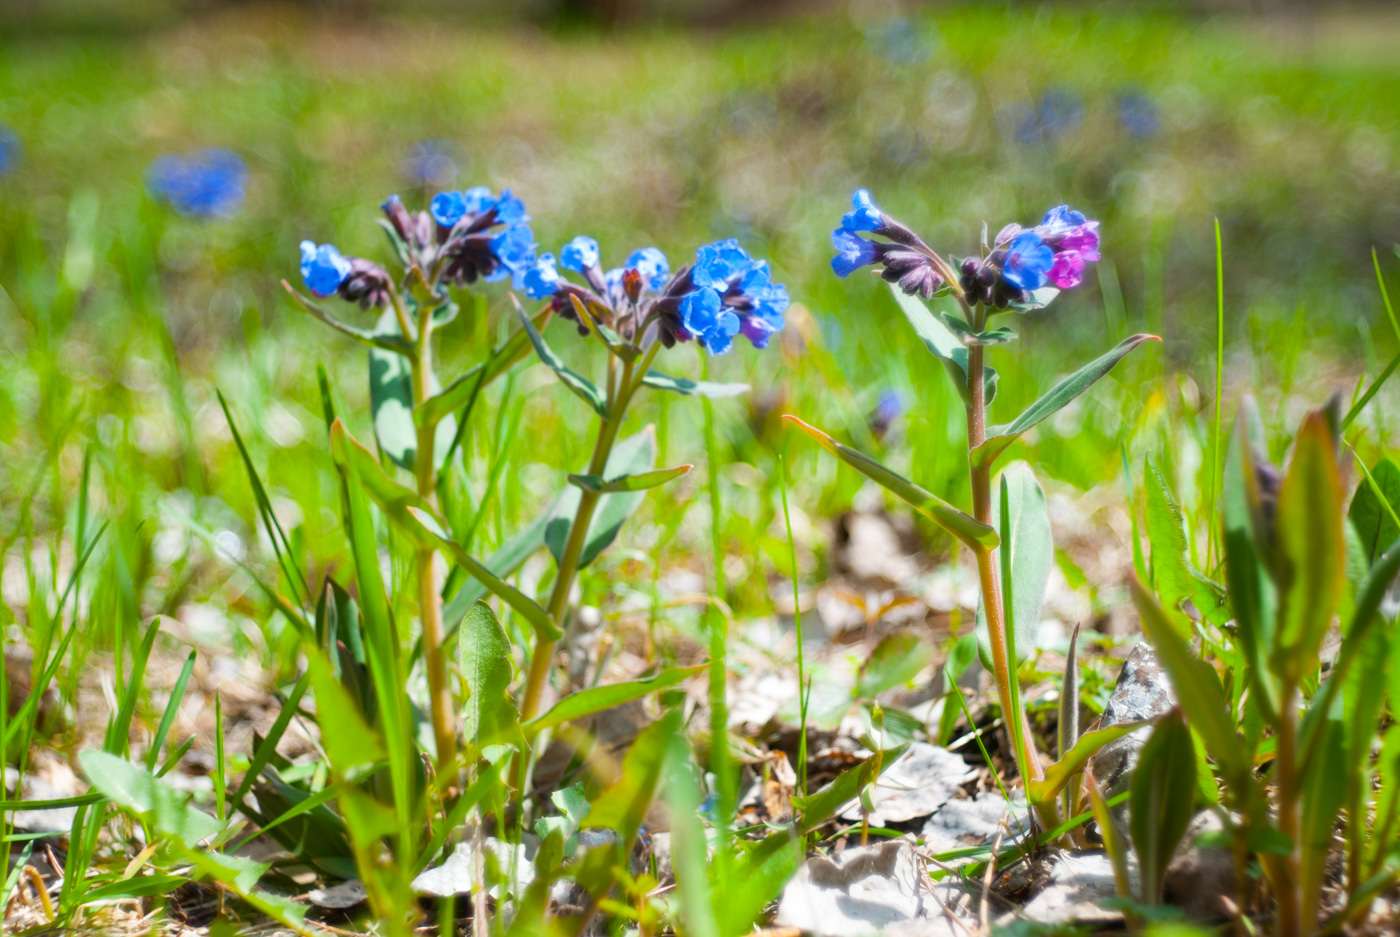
1059, 773
580, 385
1324, 793
1000, 437
758, 876
968, 337
1197, 688
944, 345
623, 806
525, 606
822, 805
133, 788
1032, 557
1253, 597
1312, 550
897, 659
504, 357
697, 911
391, 401
352, 747
142, 886
1373, 509
598, 698
1162, 800
960, 525
1039, 299
394, 499
484, 658
689, 388
598, 485
1175, 579
375, 338
634, 455
499, 564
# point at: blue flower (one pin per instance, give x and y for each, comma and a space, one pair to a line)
1028, 261
448, 208
514, 249
852, 252
477, 199
542, 280
10, 149
208, 183
651, 264
865, 215
580, 254
704, 316
768, 302
1058, 111
322, 268
1059, 220
717, 264
509, 209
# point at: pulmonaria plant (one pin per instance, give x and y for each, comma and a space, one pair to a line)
724, 293
1023, 269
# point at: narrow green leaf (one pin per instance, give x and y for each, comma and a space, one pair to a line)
374, 338
944, 345
172, 708
1312, 550
1000, 437
580, 385
1032, 557
512, 351
1197, 688
1324, 793
635, 455
500, 564
525, 606
142, 886
689, 388
962, 526
623, 807
394, 499
823, 804
897, 659
484, 658
1059, 773
1162, 800
598, 485
1373, 509
1370, 393
135, 789
596, 699
352, 747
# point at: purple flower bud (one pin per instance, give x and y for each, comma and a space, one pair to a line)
367, 284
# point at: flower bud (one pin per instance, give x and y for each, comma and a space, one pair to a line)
367, 284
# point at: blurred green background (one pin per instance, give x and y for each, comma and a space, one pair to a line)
667, 125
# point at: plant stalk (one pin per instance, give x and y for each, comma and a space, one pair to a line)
981, 483
429, 594
1290, 923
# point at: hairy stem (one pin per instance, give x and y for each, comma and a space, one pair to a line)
429, 594
981, 482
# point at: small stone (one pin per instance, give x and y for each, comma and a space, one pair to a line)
859, 891
959, 824
1200, 875
345, 895
1142, 692
923, 779
1078, 885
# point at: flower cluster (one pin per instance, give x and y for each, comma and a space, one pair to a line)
209, 183
465, 236
724, 293
1022, 260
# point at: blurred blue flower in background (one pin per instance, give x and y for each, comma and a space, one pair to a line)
1056, 113
888, 409
1139, 114
10, 149
430, 163
208, 183
323, 269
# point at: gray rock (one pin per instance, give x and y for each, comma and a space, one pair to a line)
347, 894
859, 891
1199, 875
923, 779
1079, 883
959, 824
1142, 692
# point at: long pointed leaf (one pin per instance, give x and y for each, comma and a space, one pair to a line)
598, 698
1000, 437
963, 526
599, 485
371, 337
585, 389
1058, 774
